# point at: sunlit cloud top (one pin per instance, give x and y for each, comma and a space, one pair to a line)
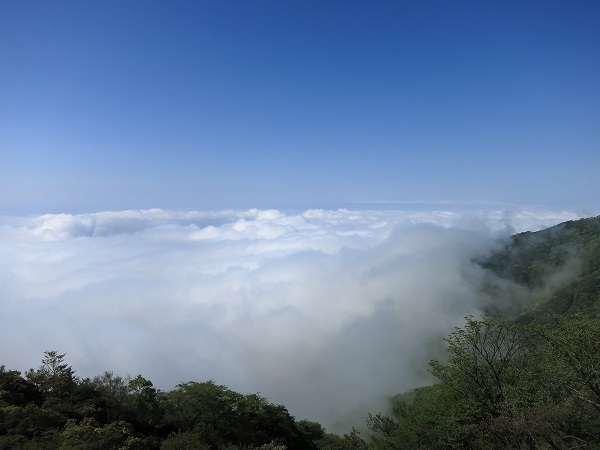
322, 310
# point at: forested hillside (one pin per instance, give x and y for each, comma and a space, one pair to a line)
51, 407
530, 381
564, 258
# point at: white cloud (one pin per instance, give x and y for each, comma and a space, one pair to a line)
322, 311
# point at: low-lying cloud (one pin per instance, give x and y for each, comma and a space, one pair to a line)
322, 311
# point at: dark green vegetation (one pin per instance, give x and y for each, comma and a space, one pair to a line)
530, 380
559, 269
50, 408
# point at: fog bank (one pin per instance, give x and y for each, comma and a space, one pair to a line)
322, 311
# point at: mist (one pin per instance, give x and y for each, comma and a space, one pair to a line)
326, 312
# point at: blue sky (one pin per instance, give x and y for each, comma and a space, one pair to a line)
283, 104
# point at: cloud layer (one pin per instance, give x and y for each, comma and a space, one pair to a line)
323, 311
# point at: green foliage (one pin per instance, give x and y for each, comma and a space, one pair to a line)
349, 441
188, 440
565, 257
52, 409
29, 426
421, 419
54, 377
310, 431
214, 414
89, 435
15, 390
504, 385
575, 344
114, 396
143, 401
273, 446
487, 360
493, 374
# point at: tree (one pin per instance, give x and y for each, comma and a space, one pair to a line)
506, 388
114, 393
206, 409
188, 440
577, 343
54, 377
421, 419
265, 422
310, 432
214, 415
89, 435
30, 423
349, 441
486, 359
15, 390
112, 386
573, 347
145, 401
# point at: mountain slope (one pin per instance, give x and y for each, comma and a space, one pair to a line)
559, 267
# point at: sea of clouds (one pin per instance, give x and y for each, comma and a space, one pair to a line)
325, 311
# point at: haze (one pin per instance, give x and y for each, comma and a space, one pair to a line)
324, 311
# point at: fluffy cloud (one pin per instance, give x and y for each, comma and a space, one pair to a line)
323, 311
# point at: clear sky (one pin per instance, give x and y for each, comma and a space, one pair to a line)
108, 105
